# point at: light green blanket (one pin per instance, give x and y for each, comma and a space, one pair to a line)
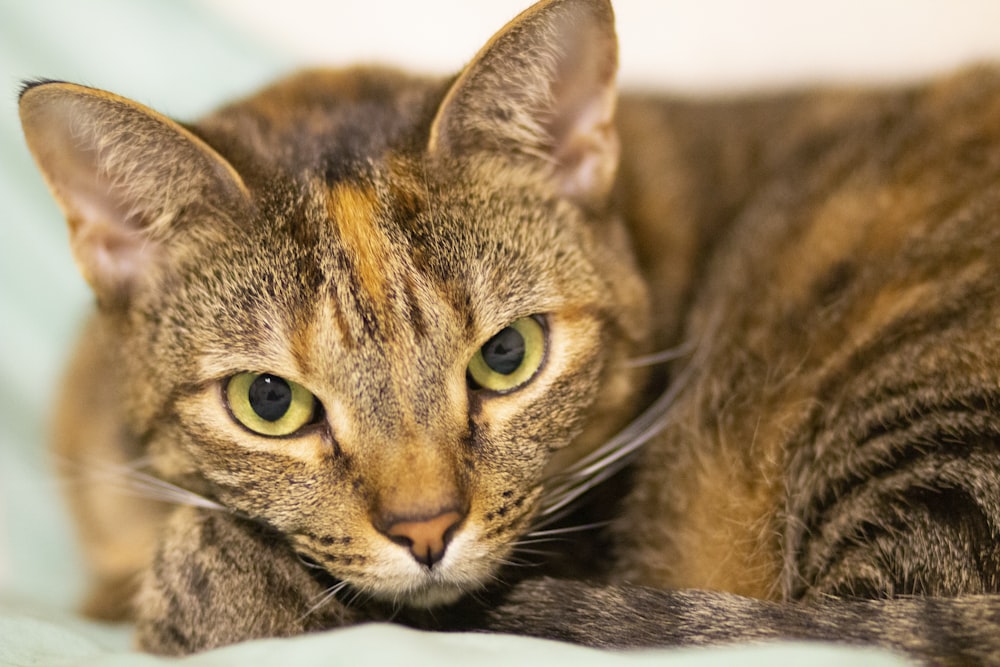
180, 60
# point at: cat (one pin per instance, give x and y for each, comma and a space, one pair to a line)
374, 338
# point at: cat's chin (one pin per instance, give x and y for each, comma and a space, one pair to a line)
432, 595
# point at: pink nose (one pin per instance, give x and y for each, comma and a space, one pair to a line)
427, 538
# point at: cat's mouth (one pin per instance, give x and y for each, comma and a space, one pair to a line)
401, 581
434, 595
428, 594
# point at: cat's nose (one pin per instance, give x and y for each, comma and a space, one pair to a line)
426, 538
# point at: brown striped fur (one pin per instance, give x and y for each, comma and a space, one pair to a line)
827, 464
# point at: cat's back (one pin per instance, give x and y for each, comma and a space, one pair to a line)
691, 167
834, 257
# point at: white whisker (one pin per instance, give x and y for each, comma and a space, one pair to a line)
536, 552
325, 598
569, 529
542, 520
355, 596
541, 540
520, 562
128, 479
570, 484
663, 356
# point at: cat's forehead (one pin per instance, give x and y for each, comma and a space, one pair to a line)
344, 268
381, 221
324, 122
341, 159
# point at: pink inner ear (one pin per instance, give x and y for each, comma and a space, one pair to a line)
110, 249
583, 100
111, 255
587, 152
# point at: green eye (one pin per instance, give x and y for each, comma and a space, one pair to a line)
510, 358
268, 404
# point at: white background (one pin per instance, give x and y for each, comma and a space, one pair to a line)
686, 44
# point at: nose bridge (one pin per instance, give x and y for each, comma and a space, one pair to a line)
418, 477
421, 464
415, 449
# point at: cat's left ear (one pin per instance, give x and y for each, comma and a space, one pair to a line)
542, 89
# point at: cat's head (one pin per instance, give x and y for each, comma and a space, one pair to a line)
375, 312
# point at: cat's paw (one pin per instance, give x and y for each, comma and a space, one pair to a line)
218, 580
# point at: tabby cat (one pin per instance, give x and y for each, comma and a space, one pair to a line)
373, 337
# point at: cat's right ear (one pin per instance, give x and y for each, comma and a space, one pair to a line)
123, 175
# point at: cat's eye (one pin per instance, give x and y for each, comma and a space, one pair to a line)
510, 358
269, 405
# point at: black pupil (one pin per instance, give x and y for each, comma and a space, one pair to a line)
270, 397
505, 351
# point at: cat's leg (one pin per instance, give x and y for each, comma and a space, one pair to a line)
218, 580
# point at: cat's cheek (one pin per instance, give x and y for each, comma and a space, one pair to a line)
575, 367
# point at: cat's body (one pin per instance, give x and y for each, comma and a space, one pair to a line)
836, 442
826, 262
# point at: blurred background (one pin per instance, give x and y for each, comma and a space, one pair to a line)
694, 45
183, 57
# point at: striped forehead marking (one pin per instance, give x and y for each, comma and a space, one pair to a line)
354, 210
